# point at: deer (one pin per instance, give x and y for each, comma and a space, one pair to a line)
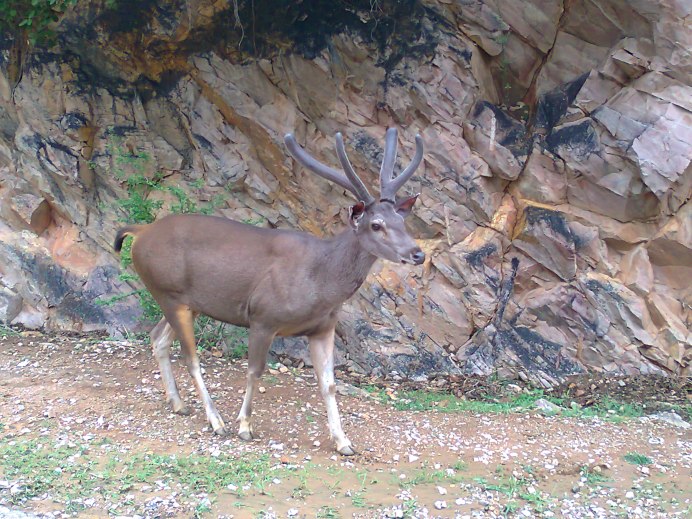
274, 282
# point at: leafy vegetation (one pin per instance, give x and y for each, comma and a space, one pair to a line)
6, 331
637, 459
143, 201
428, 476
593, 477
327, 512
34, 18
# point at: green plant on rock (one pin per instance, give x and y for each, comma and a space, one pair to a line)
140, 207
34, 19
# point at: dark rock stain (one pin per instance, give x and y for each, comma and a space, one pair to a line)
132, 15
204, 142
73, 120
555, 220
580, 138
529, 346
553, 105
121, 131
61, 289
475, 258
511, 133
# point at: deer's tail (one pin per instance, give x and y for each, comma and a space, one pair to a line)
122, 233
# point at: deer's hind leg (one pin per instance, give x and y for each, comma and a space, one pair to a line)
182, 320
161, 339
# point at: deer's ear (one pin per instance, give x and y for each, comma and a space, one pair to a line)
403, 207
355, 213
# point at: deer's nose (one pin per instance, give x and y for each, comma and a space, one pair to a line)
418, 257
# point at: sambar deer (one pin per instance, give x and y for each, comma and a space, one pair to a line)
274, 282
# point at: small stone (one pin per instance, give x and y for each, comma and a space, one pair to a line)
292, 512
316, 443
412, 458
629, 495
671, 418
440, 505
262, 389
442, 490
546, 407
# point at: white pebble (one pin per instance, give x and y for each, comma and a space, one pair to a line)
440, 504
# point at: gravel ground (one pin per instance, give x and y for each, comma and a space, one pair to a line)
106, 396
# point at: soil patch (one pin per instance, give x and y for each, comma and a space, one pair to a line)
87, 415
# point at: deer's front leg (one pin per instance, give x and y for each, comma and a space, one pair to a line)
322, 353
259, 341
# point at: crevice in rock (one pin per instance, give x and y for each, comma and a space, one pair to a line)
531, 98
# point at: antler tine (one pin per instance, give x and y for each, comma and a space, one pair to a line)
315, 166
391, 187
388, 162
360, 190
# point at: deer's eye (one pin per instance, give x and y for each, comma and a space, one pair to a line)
376, 226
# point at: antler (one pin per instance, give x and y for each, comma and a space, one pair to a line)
389, 185
351, 181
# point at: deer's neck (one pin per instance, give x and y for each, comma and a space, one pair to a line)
346, 264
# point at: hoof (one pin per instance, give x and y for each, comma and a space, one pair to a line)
245, 436
222, 431
182, 409
346, 450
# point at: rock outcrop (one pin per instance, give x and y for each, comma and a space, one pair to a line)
554, 191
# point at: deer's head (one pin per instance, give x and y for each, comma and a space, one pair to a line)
379, 225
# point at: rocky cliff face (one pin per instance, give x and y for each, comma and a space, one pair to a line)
555, 185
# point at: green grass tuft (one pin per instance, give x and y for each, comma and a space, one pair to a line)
637, 459
420, 400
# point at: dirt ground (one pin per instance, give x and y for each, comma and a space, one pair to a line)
105, 394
